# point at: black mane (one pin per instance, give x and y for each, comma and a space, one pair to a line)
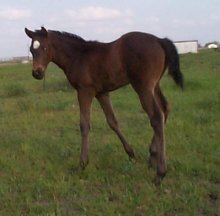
68, 35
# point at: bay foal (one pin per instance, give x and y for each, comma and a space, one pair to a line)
94, 69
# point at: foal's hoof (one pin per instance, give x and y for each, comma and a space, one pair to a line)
158, 179
131, 154
132, 159
83, 164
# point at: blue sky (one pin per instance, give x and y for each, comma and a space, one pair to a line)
107, 20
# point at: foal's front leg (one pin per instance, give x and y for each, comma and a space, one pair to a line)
106, 105
85, 100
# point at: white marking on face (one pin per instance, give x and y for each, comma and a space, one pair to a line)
36, 44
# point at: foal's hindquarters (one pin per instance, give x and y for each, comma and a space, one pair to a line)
145, 81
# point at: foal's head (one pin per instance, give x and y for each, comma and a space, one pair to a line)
40, 50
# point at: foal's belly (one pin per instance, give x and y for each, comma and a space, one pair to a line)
112, 81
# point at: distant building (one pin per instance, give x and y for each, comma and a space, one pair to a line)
190, 46
21, 59
212, 46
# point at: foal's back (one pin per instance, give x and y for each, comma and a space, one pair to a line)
135, 57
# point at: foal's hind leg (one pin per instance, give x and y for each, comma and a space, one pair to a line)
106, 105
150, 105
162, 102
164, 106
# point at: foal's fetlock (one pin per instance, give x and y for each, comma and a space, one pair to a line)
152, 162
131, 154
161, 174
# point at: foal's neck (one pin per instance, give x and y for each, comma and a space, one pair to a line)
65, 51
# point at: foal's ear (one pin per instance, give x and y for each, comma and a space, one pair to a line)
44, 31
29, 33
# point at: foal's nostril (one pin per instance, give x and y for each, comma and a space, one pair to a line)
35, 73
38, 74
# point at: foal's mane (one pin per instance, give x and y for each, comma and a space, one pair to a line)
68, 35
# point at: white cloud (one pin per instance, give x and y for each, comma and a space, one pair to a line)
104, 23
98, 13
14, 14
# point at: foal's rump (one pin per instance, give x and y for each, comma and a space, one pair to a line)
146, 57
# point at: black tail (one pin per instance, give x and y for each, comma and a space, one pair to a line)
172, 61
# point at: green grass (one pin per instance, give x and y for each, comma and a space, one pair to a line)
40, 147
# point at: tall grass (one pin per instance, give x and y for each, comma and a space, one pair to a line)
40, 147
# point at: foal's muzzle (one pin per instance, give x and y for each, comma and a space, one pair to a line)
38, 74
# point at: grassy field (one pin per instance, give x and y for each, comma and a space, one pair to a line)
40, 147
